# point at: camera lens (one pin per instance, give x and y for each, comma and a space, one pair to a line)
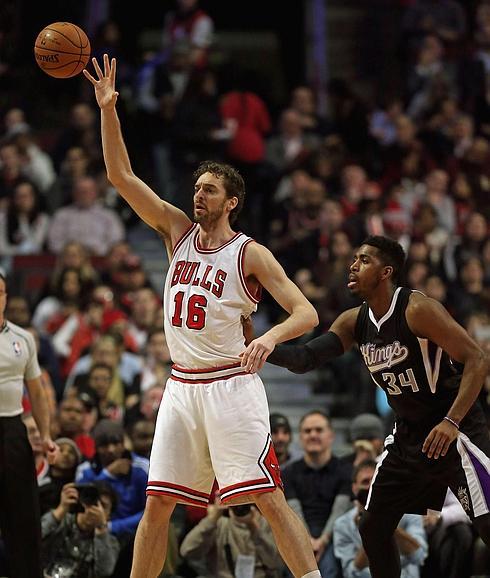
241, 511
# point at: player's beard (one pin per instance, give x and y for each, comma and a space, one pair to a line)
208, 219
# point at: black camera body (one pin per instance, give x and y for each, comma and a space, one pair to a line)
88, 495
242, 510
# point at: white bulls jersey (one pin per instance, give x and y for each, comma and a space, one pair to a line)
205, 296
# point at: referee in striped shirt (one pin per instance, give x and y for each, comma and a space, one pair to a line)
19, 502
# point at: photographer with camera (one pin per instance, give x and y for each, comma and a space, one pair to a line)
410, 535
76, 540
235, 542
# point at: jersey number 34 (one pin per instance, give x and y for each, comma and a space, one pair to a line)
394, 385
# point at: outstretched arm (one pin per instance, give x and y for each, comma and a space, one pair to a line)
428, 319
315, 353
263, 266
162, 216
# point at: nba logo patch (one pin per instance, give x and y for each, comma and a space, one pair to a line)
17, 349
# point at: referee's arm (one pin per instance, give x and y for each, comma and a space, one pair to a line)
40, 412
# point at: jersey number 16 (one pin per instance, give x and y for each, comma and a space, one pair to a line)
196, 311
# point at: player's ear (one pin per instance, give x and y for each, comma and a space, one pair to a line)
232, 203
387, 272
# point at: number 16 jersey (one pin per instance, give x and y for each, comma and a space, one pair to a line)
205, 297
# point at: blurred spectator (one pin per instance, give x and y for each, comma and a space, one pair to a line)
144, 305
290, 145
148, 406
282, 437
156, 364
189, 22
15, 122
127, 474
303, 100
367, 435
232, 538
409, 535
77, 334
317, 486
450, 541
97, 387
429, 80
23, 227
349, 117
69, 424
470, 244
80, 544
37, 165
85, 221
382, 121
66, 298
471, 293
11, 171
76, 256
109, 350
74, 166
141, 435
446, 18
82, 131
114, 260
61, 472
431, 233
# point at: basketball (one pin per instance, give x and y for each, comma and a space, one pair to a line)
62, 49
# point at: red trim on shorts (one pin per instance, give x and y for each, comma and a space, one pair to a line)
244, 484
241, 274
207, 251
177, 498
181, 488
218, 378
183, 238
248, 492
207, 370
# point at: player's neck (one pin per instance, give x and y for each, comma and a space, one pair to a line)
379, 302
213, 236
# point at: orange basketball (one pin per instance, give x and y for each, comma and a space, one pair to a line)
62, 49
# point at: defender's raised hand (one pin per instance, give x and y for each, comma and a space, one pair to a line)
105, 86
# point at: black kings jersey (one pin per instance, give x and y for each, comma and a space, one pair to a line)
418, 377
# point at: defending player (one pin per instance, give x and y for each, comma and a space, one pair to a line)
432, 372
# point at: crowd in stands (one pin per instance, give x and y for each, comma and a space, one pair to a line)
413, 165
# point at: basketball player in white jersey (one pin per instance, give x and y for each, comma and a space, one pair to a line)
214, 419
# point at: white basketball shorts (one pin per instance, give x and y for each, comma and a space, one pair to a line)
209, 429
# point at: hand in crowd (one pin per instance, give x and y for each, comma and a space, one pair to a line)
215, 512
95, 516
319, 544
120, 467
68, 498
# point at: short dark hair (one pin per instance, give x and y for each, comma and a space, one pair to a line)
101, 366
232, 180
364, 465
315, 412
390, 252
3, 278
105, 489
